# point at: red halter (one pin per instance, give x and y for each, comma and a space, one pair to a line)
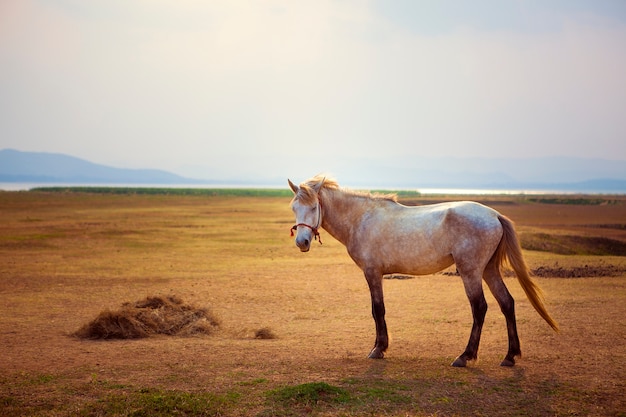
316, 233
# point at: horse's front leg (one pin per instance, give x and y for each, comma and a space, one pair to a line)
375, 282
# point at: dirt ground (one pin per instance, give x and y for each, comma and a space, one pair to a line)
64, 258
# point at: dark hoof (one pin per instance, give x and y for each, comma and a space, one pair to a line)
508, 362
376, 353
460, 362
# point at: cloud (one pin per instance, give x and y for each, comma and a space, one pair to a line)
477, 91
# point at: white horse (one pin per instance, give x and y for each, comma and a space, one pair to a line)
385, 237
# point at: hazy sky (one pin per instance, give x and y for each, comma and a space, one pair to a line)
224, 89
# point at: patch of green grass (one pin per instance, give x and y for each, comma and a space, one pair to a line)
584, 201
355, 396
254, 382
386, 394
371, 397
381, 391
442, 400
309, 394
154, 403
44, 378
208, 192
37, 379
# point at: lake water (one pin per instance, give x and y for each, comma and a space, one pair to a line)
15, 186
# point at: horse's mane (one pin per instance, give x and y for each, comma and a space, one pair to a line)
307, 190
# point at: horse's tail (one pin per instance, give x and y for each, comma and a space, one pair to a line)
510, 249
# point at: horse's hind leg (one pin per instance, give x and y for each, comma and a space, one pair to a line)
507, 305
474, 291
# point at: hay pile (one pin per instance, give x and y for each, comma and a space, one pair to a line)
152, 316
264, 333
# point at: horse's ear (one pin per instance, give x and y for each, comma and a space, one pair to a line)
293, 186
317, 187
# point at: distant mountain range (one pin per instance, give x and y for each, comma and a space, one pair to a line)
40, 167
540, 174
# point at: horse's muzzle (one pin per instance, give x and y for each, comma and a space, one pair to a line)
303, 244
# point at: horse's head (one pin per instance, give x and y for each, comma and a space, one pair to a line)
307, 207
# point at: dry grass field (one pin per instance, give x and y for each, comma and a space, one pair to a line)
295, 329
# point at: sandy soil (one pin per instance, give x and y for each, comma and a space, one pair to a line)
66, 258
